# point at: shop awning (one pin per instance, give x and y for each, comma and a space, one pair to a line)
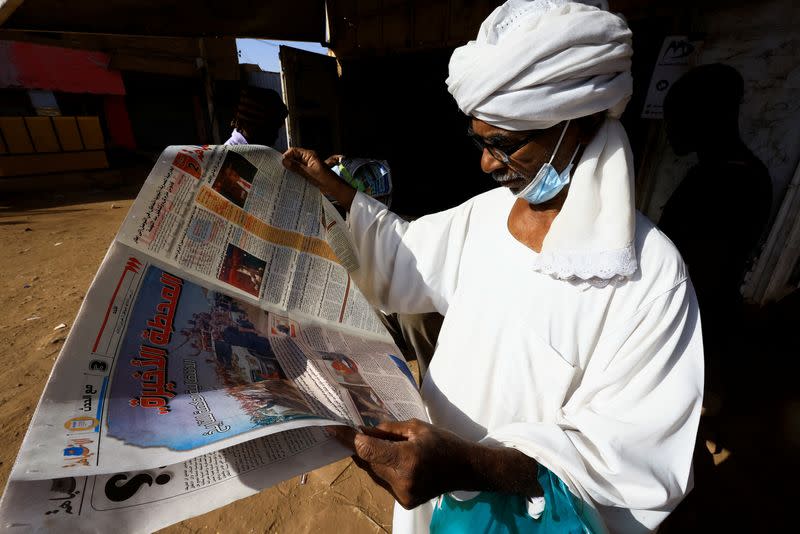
295, 20
33, 66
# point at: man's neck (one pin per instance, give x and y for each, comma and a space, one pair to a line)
530, 223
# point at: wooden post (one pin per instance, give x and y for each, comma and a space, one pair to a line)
209, 91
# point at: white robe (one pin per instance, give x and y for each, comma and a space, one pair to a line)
601, 385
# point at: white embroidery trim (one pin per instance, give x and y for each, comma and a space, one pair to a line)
596, 268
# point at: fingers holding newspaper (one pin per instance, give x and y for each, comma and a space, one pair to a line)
412, 460
308, 164
416, 462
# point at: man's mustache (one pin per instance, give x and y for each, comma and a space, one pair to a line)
507, 176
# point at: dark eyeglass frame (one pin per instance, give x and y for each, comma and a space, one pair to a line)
503, 156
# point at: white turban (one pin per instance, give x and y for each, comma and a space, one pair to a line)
535, 64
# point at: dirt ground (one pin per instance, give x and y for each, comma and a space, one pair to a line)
52, 244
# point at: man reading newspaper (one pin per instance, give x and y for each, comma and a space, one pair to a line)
565, 390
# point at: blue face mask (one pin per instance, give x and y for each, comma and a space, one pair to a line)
548, 182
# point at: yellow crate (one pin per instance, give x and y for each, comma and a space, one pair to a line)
68, 133
16, 135
43, 135
91, 133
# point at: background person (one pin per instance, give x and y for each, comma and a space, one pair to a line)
717, 215
259, 115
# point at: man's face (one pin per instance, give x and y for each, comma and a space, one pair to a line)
527, 159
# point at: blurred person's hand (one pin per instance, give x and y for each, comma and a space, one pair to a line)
334, 160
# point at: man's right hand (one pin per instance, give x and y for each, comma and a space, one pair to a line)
307, 164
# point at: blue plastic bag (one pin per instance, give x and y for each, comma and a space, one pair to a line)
498, 513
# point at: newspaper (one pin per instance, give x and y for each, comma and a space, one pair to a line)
221, 332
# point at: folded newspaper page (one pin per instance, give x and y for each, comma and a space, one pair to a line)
220, 332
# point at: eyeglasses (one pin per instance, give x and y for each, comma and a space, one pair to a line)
502, 155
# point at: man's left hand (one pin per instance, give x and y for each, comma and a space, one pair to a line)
412, 460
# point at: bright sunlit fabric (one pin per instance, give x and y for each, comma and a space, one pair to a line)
534, 64
236, 138
601, 385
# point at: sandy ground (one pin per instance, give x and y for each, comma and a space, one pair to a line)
52, 244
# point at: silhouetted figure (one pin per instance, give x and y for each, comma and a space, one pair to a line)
259, 115
718, 213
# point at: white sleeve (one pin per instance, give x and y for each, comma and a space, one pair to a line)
407, 267
624, 439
